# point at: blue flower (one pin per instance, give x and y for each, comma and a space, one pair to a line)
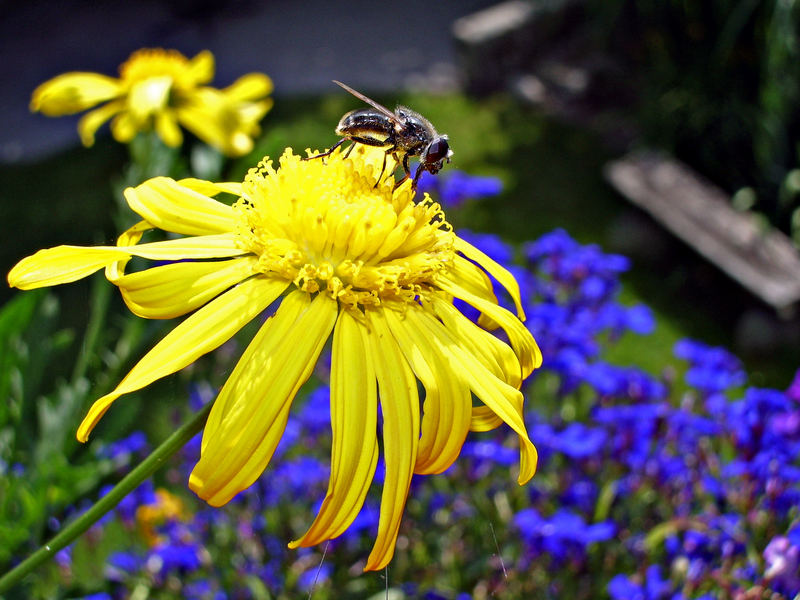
455, 187
712, 369
315, 414
655, 587
562, 535
122, 565
133, 445
488, 450
175, 555
315, 576
579, 441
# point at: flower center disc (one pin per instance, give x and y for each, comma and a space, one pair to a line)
327, 226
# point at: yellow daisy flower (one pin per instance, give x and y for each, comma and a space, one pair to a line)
160, 89
357, 260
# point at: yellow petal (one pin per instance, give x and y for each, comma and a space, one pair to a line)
247, 420
167, 129
447, 405
228, 125
472, 278
149, 97
484, 419
504, 400
203, 117
525, 347
495, 269
198, 334
207, 188
400, 409
175, 289
91, 121
201, 67
61, 264
124, 128
221, 245
168, 205
252, 86
354, 416
73, 92
495, 354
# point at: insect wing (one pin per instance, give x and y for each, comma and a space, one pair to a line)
371, 102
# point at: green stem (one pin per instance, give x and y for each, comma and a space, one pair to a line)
130, 482
101, 297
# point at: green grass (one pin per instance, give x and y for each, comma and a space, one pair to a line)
552, 176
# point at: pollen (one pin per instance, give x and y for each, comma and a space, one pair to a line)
330, 226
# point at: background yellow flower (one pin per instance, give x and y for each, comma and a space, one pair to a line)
160, 90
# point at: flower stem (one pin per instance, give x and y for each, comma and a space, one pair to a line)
130, 482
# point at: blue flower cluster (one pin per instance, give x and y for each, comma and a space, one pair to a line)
454, 188
654, 486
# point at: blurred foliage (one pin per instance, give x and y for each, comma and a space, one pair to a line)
720, 85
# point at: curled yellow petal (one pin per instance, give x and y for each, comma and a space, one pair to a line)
400, 409
247, 420
495, 269
172, 290
91, 121
525, 347
354, 417
73, 92
495, 355
198, 334
447, 405
484, 419
170, 206
504, 400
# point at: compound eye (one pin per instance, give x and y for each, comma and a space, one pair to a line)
437, 151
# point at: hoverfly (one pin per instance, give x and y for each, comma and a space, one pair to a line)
404, 133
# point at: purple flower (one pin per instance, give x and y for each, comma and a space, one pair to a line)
782, 564
793, 391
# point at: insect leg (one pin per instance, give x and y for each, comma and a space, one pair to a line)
405, 165
407, 169
416, 177
383, 167
328, 152
349, 150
